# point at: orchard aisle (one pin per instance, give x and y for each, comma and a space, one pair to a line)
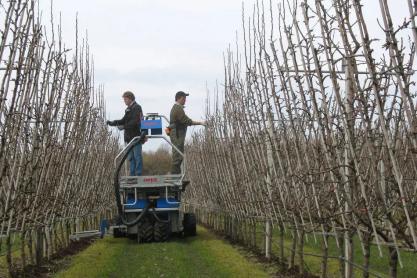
203, 256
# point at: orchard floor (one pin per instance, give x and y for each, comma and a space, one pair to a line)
205, 255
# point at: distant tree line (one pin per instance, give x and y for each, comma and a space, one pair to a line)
157, 162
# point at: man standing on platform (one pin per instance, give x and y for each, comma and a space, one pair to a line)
130, 123
178, 125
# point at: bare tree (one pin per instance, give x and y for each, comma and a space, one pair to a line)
54, 144
315, 131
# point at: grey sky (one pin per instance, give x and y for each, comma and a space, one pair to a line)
157, 47
153, 48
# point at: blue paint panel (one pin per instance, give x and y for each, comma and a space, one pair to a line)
162, 203
155, 126
140, 204
151, 124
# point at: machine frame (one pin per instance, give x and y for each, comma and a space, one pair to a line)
149, 207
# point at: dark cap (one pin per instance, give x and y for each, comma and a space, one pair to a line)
180, 94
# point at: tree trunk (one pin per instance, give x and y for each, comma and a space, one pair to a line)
301, 251
293, 249
393, 262
22, 248
30, 246
339, 238
9, 259
254, 234
325, 253
281, 244
366, 260
39, 246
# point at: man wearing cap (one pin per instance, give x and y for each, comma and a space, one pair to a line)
178, 124
131, 125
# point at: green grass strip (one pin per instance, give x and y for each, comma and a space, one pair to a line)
203, 256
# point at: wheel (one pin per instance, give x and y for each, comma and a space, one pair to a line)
190, 224
162, 231
145, 231
132, 236
117, 233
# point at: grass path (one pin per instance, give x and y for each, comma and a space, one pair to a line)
203, 256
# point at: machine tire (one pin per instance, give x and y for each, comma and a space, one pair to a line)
145, 231
162, 231
190, 224
117, 233
132, 236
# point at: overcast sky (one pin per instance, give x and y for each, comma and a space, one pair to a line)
153, 47
156, 47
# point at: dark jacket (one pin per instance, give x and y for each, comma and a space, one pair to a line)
178, 119
130, 121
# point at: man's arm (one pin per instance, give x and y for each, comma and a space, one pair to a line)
182, 118
120, 122
185, 120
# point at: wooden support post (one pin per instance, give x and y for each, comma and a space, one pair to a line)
270, 160
347, 234
281, 243
30, 246
77, 225
268, 238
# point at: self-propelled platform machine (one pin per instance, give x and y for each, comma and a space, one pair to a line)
149, 207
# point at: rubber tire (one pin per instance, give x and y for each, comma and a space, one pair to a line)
132, 236
162, 231
190, 224
117, 233
145, 231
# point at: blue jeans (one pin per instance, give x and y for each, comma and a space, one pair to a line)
135, 159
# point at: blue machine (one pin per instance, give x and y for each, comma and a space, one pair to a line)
150, 206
